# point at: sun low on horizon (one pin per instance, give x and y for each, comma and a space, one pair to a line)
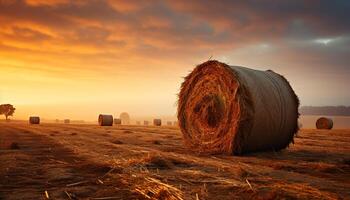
76, 59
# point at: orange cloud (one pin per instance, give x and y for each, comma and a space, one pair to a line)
121, 50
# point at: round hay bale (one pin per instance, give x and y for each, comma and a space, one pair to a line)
34, 120
235, 110
105, 120
125, 117
157, 122
146, 123
117, 121
169, 123
324, 123
66, 121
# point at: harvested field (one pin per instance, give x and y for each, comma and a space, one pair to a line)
69, 161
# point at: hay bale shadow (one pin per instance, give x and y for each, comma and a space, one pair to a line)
127, 131
156, 142
117, 142
14, 146
158, 162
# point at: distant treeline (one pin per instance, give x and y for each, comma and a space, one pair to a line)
325, 110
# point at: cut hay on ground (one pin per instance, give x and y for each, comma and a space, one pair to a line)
235, 110
34, 120
155, 189
324, 123
105, 120
157, 122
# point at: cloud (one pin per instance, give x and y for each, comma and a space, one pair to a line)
102, 38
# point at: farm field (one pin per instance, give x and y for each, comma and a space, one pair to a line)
72, 161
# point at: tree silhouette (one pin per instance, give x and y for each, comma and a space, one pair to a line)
7, 110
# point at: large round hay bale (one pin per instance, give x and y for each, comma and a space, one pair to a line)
157, 122
117, 121
66, 121
105, 120
146, 123
235, 110
324, 123
34, 120
125, 118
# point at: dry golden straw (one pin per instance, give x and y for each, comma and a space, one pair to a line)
324, 123
235, 110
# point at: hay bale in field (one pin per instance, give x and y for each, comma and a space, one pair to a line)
34, 120
146, 123
117, 121
235, 110
66, 121
169, 123
138, 123
157, 122
125, 117
324, 123
105, 120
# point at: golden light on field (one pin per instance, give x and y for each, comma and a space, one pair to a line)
63, 58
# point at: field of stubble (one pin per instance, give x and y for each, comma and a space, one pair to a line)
59, 161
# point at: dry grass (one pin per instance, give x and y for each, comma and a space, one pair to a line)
133, 166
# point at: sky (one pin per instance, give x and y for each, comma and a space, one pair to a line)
76, 59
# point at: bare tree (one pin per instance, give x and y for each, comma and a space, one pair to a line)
7, 110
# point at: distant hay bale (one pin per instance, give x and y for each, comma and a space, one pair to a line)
34, 120
146, 123
157, 122
66, 121
324, 123
235, 110
117, 121
169, 123
125, 117
105, 120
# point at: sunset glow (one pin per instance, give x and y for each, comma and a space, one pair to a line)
76, 59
